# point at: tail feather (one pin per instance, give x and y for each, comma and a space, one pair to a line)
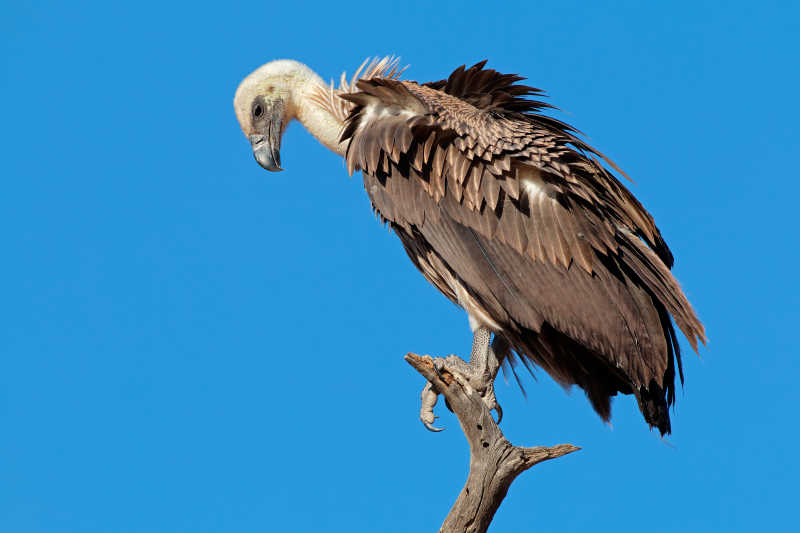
653, 405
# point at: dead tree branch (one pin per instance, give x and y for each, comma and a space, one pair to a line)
494, 461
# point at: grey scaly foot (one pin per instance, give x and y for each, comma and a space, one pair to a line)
479, 373
429, 398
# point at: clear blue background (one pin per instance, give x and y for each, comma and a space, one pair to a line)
189, 343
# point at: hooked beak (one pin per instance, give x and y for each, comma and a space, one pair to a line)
266, 136
267, 153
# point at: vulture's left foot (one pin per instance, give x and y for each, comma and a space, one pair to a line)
429, 398
479, 373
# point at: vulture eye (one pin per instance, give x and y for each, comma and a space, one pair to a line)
258, 111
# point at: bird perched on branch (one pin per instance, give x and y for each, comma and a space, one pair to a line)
508, 213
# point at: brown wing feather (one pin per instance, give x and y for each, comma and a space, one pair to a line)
513, 210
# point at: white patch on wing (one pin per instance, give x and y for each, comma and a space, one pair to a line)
533, 184
375, 110
474, 323
476, 315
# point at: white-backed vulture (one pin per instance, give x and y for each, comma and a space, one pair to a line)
508, 214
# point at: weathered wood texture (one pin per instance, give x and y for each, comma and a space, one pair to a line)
494, 461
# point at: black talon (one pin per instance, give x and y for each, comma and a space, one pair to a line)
499, 413
431, 427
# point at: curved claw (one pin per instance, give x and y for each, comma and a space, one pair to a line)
499, 413
431, 427
429, 399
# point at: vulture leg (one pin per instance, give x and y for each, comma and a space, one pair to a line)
480, 373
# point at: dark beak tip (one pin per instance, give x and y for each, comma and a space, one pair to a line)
267, 159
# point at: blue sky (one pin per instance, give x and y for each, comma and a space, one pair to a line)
190, 343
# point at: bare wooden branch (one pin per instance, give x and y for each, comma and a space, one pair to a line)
494, 461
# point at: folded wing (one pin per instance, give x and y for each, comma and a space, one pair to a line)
510, 215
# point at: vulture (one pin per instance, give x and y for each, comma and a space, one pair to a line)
509, 214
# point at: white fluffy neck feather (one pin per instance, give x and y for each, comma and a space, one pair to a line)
319, 122
324, 113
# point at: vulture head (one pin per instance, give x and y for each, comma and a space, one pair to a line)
265, 103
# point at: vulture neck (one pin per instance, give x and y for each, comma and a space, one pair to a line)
318, 120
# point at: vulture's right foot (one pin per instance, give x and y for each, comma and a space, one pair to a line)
479, 374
